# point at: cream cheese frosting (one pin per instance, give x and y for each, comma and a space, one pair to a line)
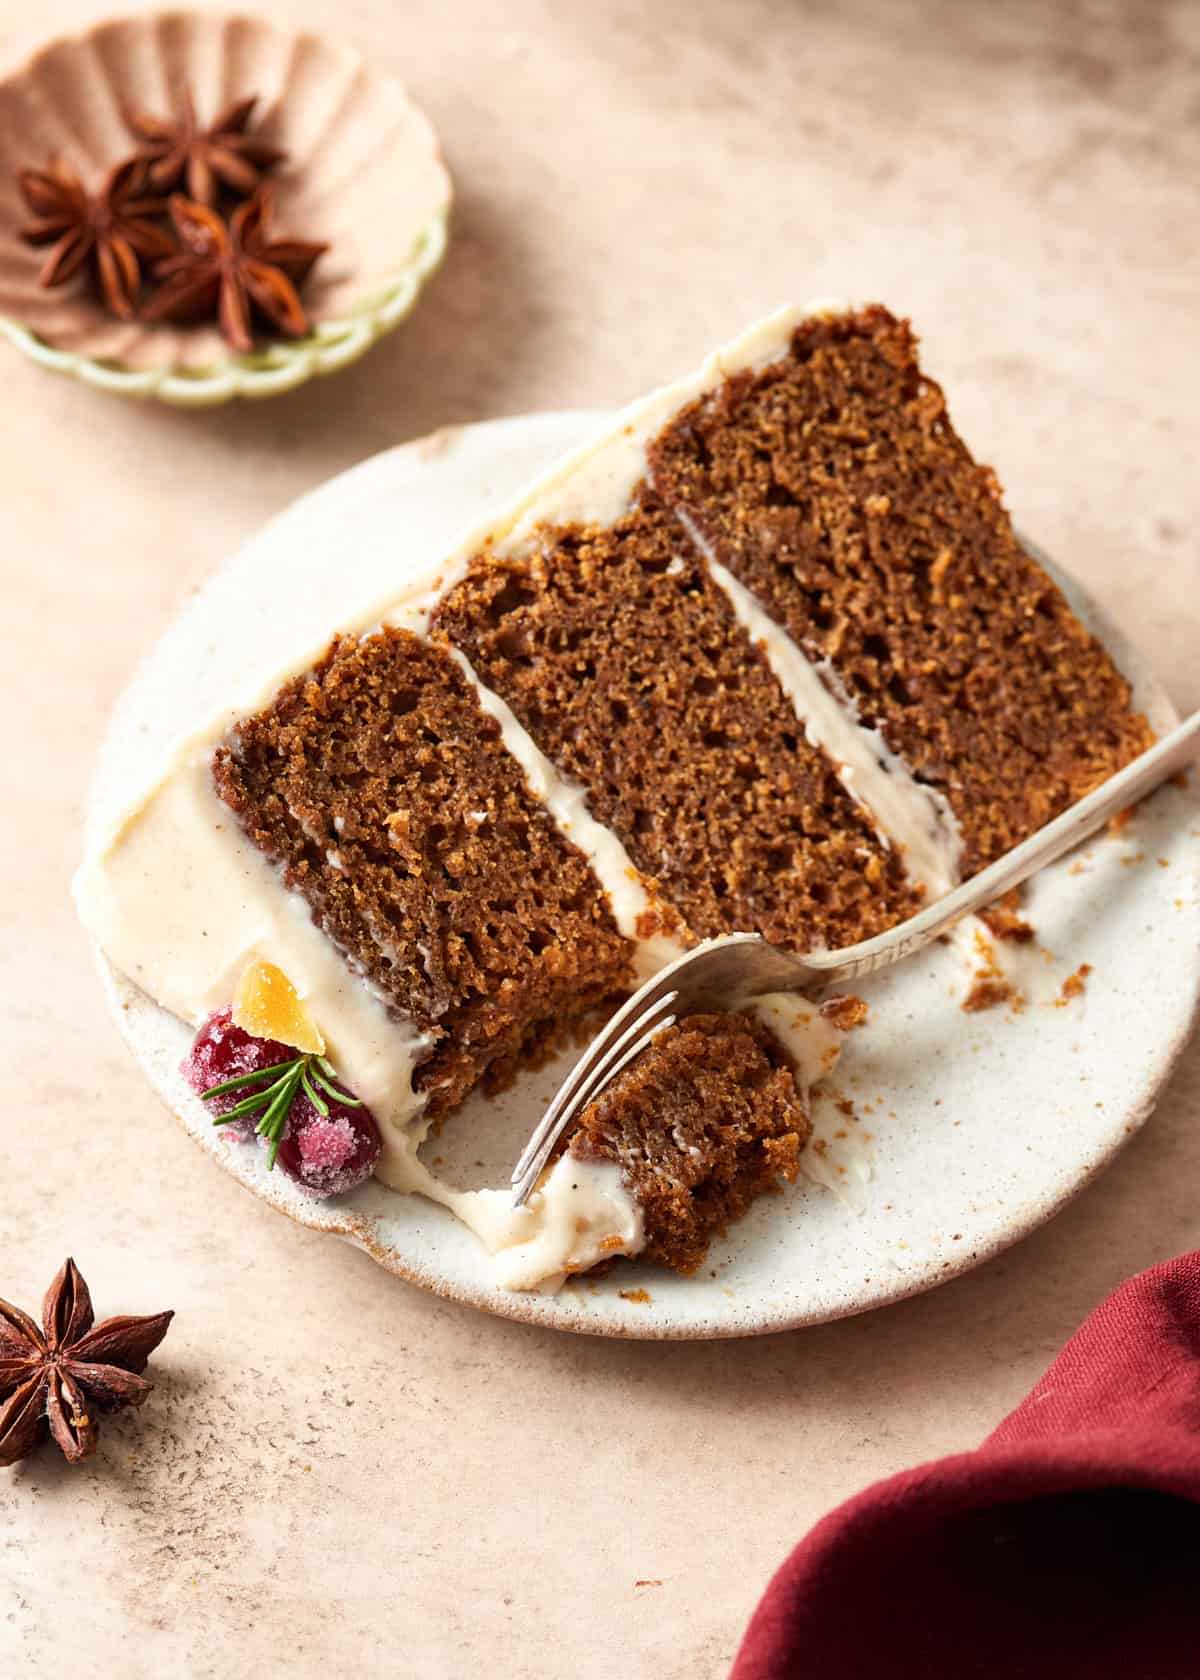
580, 1214
564, 799
813, 1043
181, 900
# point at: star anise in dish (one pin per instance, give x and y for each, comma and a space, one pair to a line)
204, 159
59, 1379
234, 267
111, 231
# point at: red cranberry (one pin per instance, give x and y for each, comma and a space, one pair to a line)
325, 1154
328, 1155
221, 1051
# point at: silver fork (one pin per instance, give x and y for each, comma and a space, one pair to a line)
722, 974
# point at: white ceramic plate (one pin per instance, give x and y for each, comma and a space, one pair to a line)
968, 1130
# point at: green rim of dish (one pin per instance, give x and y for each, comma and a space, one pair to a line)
330, 346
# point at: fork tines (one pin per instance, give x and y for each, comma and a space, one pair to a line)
625, 1037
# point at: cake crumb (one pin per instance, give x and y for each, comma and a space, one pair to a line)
641, 1297
989, 986
986, 992
1073, 985
658, 919
706, 1119
1121, 821
654, 1583
845, 1012
1002, 920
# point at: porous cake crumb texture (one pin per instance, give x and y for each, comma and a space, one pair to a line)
704, 1121
382, 788
625, 662
834, 487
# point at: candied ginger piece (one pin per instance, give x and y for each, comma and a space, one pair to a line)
266, 1005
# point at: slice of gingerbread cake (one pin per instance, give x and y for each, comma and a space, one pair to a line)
764, 655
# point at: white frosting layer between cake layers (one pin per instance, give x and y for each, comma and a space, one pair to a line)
180, 899
567, 804
903, 812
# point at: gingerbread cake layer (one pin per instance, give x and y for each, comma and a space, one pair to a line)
832, 484
705, 1120
383, 790
626, 663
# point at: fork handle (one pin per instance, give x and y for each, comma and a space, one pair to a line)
1076, 824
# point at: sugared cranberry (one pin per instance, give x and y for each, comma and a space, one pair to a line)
329, 1154
325, 1154
221, 1051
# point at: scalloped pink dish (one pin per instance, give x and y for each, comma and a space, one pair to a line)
364, 173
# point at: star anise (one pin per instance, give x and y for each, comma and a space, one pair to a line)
111, 230
61, 1377
204, 158
235, 268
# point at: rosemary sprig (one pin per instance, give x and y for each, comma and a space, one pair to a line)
285, 1079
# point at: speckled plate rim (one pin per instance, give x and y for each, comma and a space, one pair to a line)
136, 1015
332, 345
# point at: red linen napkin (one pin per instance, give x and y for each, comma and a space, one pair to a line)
1068, 1545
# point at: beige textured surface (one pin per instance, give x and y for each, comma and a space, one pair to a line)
325, 1477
